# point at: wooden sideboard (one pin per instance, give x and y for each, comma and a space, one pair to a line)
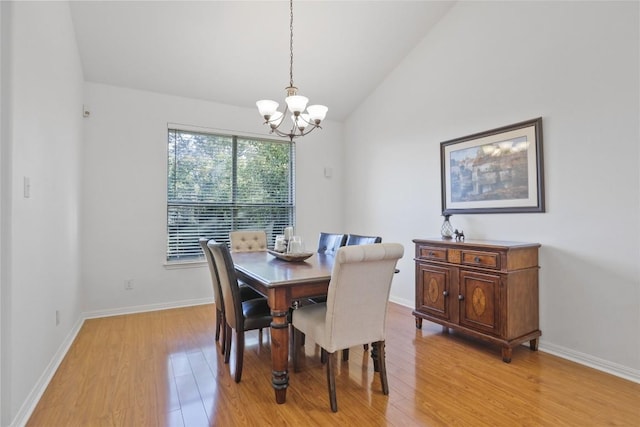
486, 289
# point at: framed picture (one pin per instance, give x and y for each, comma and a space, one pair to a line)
497, 171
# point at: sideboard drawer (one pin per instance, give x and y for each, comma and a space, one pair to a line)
429, 252
481, 259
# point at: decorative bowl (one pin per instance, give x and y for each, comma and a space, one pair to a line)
290, 257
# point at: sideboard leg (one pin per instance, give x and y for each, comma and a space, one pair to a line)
533, 344
418, 323
506, 354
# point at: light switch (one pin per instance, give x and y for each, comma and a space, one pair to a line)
328, 172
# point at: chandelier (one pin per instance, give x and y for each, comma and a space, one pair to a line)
302, 122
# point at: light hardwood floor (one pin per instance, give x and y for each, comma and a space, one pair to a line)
164, 369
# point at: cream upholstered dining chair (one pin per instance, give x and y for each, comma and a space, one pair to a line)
248, 240
240, 316
329, 244
360, 273
352, 240
246, 293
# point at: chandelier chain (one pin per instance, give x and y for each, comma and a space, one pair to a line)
291, 43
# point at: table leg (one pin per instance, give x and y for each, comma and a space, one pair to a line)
279, 304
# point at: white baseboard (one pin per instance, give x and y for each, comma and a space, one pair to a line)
144, 308
591, 361
36, 393
566, 353
38, 390
403, 302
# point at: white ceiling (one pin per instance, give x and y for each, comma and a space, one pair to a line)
236, 52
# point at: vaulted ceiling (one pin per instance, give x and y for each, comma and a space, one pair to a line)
236, 52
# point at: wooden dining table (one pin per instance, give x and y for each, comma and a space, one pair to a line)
283, 282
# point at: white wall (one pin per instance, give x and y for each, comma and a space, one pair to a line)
40, 249
4, 32
124, 194
489, 64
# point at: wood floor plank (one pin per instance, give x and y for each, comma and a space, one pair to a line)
164, 368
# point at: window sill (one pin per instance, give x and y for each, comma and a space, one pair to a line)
172, 265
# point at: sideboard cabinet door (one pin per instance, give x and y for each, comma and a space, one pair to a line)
479, 301
433, 290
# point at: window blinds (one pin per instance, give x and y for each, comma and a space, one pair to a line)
220, 183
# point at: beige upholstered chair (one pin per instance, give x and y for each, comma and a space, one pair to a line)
246, 294
360, 273
248, 240
240, 316
351, 240
348, 240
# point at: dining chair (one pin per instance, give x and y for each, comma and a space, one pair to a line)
356, 239
329, 243
360, 273
345, 240
246, 293
240, 316
248, 240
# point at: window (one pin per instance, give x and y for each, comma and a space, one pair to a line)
220, 183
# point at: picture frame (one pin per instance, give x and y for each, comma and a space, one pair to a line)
496, 171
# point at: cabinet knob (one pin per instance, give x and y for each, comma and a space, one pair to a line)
445, 293
460, 297
476, 259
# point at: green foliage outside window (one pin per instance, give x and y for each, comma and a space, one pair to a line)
220, 183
